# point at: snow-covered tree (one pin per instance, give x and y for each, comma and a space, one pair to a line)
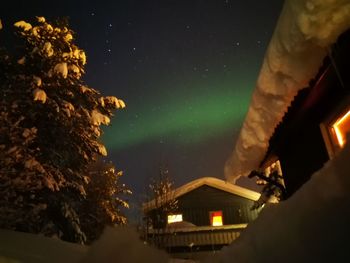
161, 202
49, 132
104, 200
161, 192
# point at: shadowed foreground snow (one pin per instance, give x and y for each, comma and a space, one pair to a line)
311, 226
18, 247
120, 245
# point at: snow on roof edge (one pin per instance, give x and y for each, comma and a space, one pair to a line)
210, 181
305, 30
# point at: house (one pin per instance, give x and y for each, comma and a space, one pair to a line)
210, 214
314, 128
300, 110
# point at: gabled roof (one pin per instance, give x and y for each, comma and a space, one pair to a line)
303, 35
209, 181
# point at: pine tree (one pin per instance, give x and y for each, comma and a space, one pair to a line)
161, 203
49, 132
103, 204
161, 192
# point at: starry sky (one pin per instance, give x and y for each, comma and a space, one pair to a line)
185, 68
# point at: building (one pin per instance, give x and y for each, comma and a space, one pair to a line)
210, 214
300, 110
314, 128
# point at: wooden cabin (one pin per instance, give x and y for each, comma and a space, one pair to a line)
314, 128
210, 214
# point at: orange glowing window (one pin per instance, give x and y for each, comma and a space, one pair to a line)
341, 127
216, 218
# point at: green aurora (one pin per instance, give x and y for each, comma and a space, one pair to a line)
185, 117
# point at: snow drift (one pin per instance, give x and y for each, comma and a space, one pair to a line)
123, 245
311, 226
304, 32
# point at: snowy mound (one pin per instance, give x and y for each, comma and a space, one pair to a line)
311, 226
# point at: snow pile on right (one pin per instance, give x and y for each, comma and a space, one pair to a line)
304, 33
312, 226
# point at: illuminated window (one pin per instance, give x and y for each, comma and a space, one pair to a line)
174, 218
334, 131
341, 127
216, 218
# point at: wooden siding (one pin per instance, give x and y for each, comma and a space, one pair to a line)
298, 140
196, 205
195, 238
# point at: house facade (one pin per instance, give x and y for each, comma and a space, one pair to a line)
299, 114
314, 129
210, 214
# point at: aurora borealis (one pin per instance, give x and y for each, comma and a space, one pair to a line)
185, 118
185, 68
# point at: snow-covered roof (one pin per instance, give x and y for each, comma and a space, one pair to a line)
210, 181
304, 33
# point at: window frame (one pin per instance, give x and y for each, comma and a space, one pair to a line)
328, 132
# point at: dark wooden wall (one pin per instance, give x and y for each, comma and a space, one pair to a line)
298, 140
197, 204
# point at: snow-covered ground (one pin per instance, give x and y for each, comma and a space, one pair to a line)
22, 247
311, 226
120, 245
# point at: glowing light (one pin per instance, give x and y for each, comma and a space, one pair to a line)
197, 116
216, 218
341, 128
217, 221
174, 218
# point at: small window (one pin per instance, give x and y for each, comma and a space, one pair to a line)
334, 131
174, 218
216, 218
341, 127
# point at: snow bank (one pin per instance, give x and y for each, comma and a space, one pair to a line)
119, 244
304, 32
123, 245
311, 226
16, 247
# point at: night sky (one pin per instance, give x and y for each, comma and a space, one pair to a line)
185, 68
